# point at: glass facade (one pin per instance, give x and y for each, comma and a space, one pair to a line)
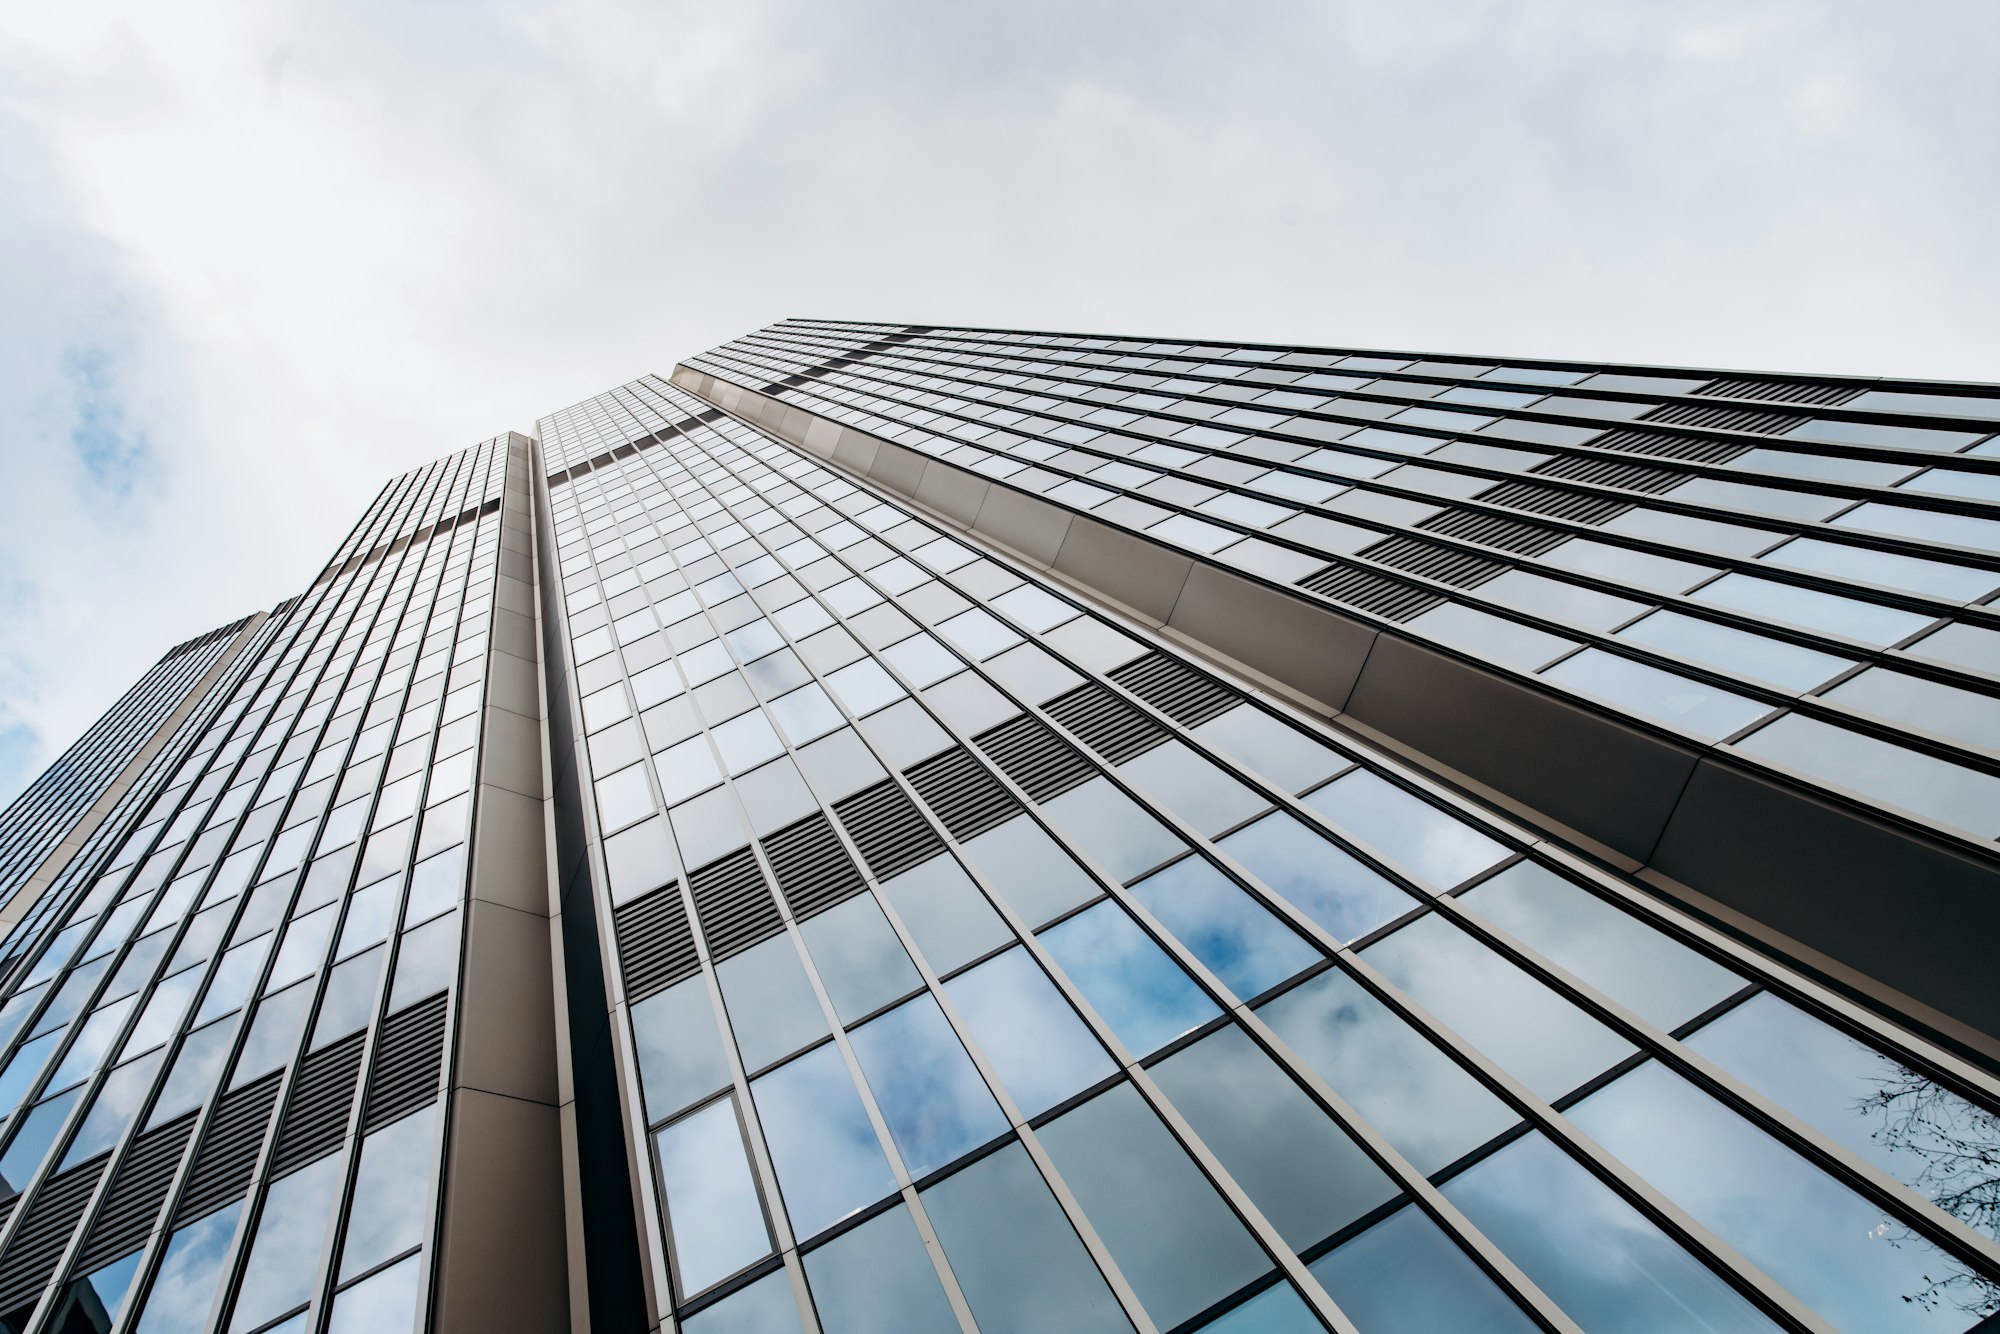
719, 866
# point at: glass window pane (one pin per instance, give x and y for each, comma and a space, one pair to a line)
1299, 1167
1829, 1246
1882, 770
1679, 701
184, 1288
1276, 1310
1236, 937
1264, 745
1133, 984
1429, 1108
36, 1131
1957, 583
1829, 613
858, 957
103, 1290
1039, 1046
681, 1058
1112, 829
1964, 716
822, 1144
929, 1091
771, 1004
384, 1303
1594, 1255
1649, 972
1737, 652
765, 1307
1566, 604
1193, 788
947, 916
1326, 883
1488, 637
1030, 870
1403, 826
117, 1102
878, 1279
1016, 1258
387, 1217
274, 1034
1404, 1276
284, 1256
1538, 1037
1912, 1128
1968, 646
711, 1197
1639, 569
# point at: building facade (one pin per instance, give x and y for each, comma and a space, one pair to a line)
898, 828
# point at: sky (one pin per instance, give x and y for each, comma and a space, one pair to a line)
255, 258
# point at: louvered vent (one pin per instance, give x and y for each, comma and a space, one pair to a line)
1185, 694
409, 1057
734, 905
814, 872
1106, 723
228, 1152
963, 794
45, 1230
1031, 754
1372, 592
1776, 391
1573, 506
1444, 564
1721, 417
1694, 448
322, 1096
655, 943
1612, 472
888, 828
125, 1219
1495, 530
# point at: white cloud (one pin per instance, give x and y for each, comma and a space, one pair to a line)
318, 244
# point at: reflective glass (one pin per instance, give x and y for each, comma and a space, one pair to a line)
1429, 1108
1969, 646
1638, 569
1262, 744
1193, 788
1829, 613
383, 1303
1700, 708
771, 1004
1235, 937
1276, 1310
184, 1287
1566, 604
1958, 583
387, 1217
284, 1256
1831, 1247
1649, 972
681, 1058
711, 1197
1113, 830
102, 1290
878, 1279
929, 1091
1297, 1165
947, 916
1135, 986
1406, 828
822, 1144
92, 1042
117, 1102
1963, 716
1595, 1255
1129, 1174
1036, 1043
1534, 1034
1738, 652
1892, 774
858, 957
1326, 883
33, 1134
765, 1307
1404, 1276
1489, 637
1016, 1258
1030, 870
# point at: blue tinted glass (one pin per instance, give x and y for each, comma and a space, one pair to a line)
1404, 1276
1429, 1108
21, 1071
104, 1288
681, 1059
771, 1004
1321, 880
877, 1279
711, 1197
858, 957
1829, 613
1113, 830
1130, 1175
381, 1302
1929, 706
1959, 583
1235, 936
1595, 1255
1665, 697
828, 1161
1036, 877
1832, 1248
947, 916
929, 1091
37, 1131
765, 1307
386, 1217
117, 1102
1276, 1310
1015, 1256
1037, 1044
1198, 791
1299, 1168
1262, 744
1924, 1135
284, 1255
1882, 770
1406, 828
1146, 998
184, 1288
1738, 652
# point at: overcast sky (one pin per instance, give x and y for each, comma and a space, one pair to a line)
259, 256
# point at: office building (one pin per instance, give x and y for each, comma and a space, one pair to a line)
903, 828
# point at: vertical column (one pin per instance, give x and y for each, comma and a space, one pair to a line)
503, 1246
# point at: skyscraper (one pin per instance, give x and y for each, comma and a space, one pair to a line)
898, 828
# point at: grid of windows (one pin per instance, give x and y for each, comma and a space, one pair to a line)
221, 1064
1802, 571
960, 934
